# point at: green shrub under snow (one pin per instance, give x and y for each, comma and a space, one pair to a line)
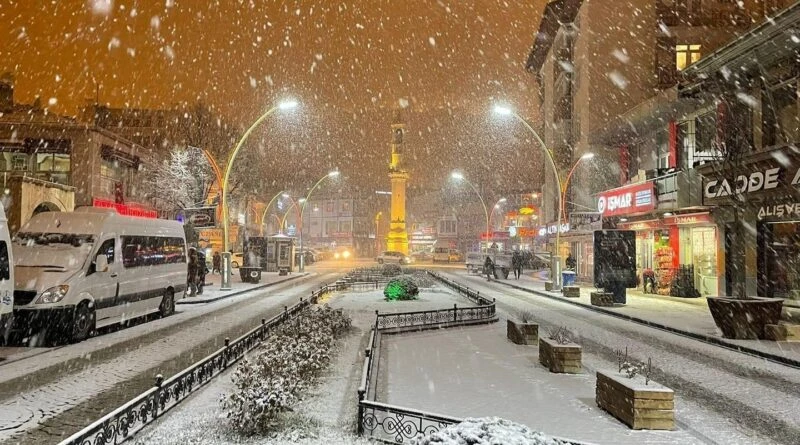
272, 381
402, 288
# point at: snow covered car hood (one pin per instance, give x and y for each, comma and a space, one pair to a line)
42, 267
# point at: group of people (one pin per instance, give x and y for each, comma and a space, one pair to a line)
517, 263
197, 270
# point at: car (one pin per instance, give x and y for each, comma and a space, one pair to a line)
342, 253
310, 256
393, 257
455, 256
422, 256
237, 259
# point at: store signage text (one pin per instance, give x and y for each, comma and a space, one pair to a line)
688, 219
626, 200
744, 184
779, 210
551, 229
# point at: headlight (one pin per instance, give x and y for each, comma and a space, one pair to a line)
53, 295
336, 255
346, 254
408, 259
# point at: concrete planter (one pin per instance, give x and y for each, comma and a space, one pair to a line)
560, 358
602, 299
782, 332
572, 291
640, 406
522, 333
548, 286
744, 318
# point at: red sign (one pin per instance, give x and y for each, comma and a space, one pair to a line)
642, 225
693, 218
494, 236
123, 209
635, 198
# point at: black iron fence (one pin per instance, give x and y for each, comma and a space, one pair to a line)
125, 421
394, 424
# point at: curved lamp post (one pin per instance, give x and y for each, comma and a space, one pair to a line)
264, 215
288, 105
377, 233
496, 207
304, 201
555, 261
585, 157
460, 177
296, 209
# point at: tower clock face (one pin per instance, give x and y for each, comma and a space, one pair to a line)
398, 136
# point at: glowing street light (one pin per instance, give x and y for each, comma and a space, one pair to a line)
458, 176
226, 279
555, 262
497, 207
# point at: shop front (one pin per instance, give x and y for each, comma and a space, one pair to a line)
758, 202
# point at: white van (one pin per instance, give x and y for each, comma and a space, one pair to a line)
6, 279
78, 271
441, 252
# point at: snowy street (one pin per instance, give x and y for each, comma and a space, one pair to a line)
47, 397
719, 391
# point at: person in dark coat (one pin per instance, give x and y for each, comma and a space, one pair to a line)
202, 271
216, 263
516, 263
571, 263
192, 272
488, 267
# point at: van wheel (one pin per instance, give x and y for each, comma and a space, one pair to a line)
167, 307
83, 323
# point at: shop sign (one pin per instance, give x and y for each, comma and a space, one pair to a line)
635, 198
522, 232
551, 229
749, 182
695, 218
495, 236
200, 217
585, 221
641, 225
791, 210
124, 209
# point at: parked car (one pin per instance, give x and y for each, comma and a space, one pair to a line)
237, 260
455, 256
393, 257
6, 279
422, 256
310, 257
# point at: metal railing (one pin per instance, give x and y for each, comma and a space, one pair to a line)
125, 421
395, 424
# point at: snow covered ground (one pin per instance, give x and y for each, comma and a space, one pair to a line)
325, 416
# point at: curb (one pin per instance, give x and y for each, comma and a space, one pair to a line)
716, 341
239, 292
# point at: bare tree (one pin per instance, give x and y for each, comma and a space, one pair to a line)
182, 181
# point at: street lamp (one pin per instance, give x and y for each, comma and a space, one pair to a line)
458, 176
585, 157
377, 233
226, 279
555, 261
264, 215
496, 207
304, 201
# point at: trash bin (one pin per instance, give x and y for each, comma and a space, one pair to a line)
250, 274
568, 278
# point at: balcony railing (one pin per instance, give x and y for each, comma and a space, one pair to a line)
713, 13
63, 178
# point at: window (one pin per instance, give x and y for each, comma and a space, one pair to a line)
344, 227
107, 248
5, 266
138, 251
686, 55
345, 207
447, 226
331, 227
329, 207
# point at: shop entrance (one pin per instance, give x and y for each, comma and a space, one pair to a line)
779, 265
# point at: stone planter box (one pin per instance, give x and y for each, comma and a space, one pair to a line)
548, 286
560, 358
782, 332
522, 333
744, 318
640, 406
602, 299
572, 291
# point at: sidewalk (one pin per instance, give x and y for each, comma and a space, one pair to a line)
686, 316
211, 291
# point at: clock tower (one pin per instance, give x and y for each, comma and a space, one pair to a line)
397, 240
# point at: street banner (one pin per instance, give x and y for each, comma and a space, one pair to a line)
201, 217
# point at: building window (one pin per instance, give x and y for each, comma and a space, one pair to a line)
329, 207
331, 227
345, 207
447, 227
344, 227
686, 55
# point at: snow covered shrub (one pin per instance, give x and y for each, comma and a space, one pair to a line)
561, 335
525, 316
391, 270
419, 278
487, 431
291, 359
401, 288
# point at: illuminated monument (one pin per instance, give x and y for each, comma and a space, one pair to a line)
397, 240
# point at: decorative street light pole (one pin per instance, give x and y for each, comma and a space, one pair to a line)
496, 207
377, 233
460, 177
585, 157
226, 255
304, 201
555, 260
264, 215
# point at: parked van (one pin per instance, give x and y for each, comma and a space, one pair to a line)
6, 279
79, 271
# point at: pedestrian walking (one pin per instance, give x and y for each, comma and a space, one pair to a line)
488, 267
202, 271
516, 264
193, 272
216, 263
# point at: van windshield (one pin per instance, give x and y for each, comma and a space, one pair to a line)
44, 239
